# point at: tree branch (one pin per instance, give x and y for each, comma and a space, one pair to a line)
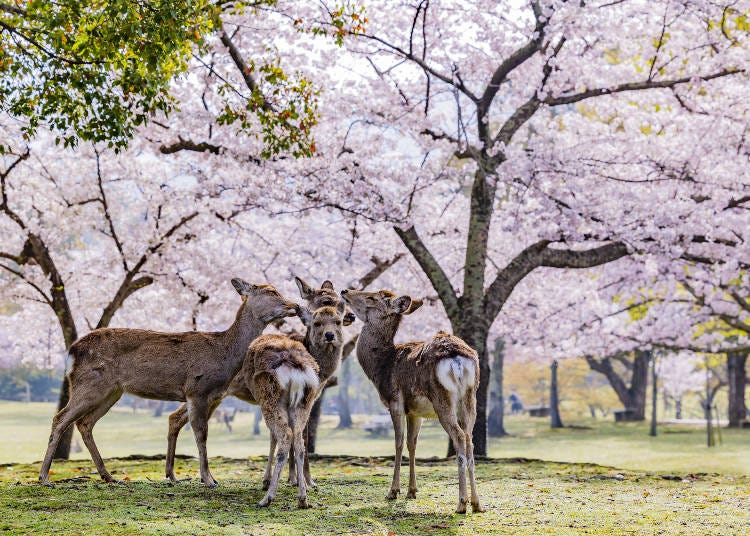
107, 215
244, 69
540, 254
636, 86
431, 268
189, 145
33, 285
377, 270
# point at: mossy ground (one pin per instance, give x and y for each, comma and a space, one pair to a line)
670, 484
520, 496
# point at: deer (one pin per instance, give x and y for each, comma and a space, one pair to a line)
324, 340
416, 380
283, 377
315, 298
195, 367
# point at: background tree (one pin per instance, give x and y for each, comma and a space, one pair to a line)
482, 126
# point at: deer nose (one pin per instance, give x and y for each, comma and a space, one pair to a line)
344, 291
329, 336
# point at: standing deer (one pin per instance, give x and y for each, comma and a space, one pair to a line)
324, 340
195, 367
325, 296
283, 378
437, 378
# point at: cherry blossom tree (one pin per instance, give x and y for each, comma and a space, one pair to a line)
679, 376
498, 138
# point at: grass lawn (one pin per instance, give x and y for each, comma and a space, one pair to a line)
671, 484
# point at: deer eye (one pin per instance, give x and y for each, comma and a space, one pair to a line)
317, 324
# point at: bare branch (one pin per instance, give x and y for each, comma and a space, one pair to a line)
33, 285
107, 215
377, 270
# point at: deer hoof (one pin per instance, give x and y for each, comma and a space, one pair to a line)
311, 484
392, 494
47, 483
476, 508
412, 494
264, 502
302, 503
461, 508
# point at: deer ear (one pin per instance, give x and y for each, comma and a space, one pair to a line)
304, 289
416, 303
242, 287
303, 314
401, 304
326, 284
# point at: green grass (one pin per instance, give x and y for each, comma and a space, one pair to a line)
521, 497
671, 484
679, 449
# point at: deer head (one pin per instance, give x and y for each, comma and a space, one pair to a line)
264, 301
323, 297
379, 305
325, 324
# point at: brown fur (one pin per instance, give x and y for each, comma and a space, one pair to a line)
322, 324
286, 420
194, 367
325, 296
406, 377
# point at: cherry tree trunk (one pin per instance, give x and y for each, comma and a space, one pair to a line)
495, 419
256, 421
654, 392
737, 379
313, 422
633, 396
345, 415
62, 452
475, 335
554, 399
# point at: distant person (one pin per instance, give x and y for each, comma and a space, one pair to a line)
516, 406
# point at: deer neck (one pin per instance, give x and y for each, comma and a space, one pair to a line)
328, 356
375, 349
245, 328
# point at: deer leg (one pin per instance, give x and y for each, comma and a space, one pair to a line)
177, 421
76, 408
298, 422
413, 424
278, 422
292, 478
469, 417
269, 465
397, 417
450, 424
308, 477
199, 412
86, 426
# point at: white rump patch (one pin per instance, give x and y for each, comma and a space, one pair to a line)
294, 381
456, 374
